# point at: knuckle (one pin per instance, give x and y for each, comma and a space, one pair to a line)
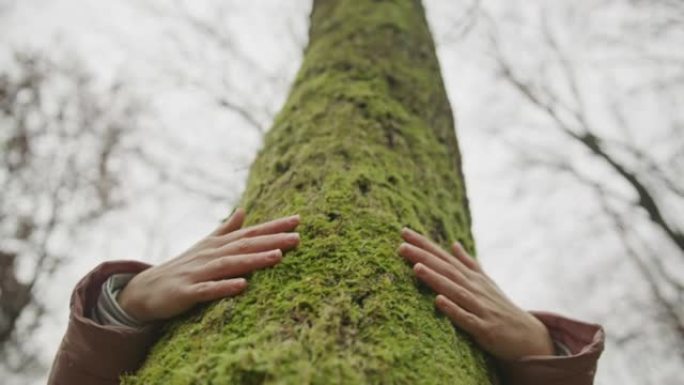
470, 274
462, 293
187, 273
242, 264
192, 291
454, 275
487, 333
206, 253
202, 290
200, 287
478, 279
250, 232
220, 265
469, 319
243, 245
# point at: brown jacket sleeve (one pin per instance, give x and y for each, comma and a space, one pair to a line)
93, 354
585, 342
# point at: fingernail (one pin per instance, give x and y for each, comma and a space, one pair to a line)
275, 255
410, 231
419, 268
240, 282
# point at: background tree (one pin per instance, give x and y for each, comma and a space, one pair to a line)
541, 233
589, 123
62, 142
364, 144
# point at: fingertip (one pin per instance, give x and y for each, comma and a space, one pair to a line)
293, 219
412, 231
440, 300
275, 255
419, 268
232, 223
295, 238
458, 247
406, 232
239, 213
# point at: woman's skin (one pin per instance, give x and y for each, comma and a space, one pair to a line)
213, 269
473, 302
209, 270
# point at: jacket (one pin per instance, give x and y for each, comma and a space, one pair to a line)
94, 354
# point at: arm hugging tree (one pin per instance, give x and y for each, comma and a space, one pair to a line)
364, 145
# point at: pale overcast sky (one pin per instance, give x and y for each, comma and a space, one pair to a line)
148, 48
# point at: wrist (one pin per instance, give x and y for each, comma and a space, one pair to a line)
130, 303
541, 343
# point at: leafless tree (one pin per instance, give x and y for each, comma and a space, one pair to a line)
224, 58
67, 146
592, 102
64, 143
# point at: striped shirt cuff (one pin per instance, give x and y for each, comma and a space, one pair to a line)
107, 312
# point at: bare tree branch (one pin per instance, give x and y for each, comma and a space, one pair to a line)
55, 127
585, 136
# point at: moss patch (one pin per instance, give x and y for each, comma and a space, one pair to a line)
364, 145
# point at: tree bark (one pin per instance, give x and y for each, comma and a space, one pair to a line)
364, 145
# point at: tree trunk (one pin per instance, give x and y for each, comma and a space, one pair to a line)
364, 145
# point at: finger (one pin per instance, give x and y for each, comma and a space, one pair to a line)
417, 255
419, 240
231, 224
237, 265
279, 225
282, 241
448, 288
213, 290
462, 255
459, 316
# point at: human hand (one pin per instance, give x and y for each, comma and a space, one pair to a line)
473, 302
209, 269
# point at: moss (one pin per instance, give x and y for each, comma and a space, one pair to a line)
364, 145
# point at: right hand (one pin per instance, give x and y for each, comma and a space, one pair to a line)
474, 302
210, 269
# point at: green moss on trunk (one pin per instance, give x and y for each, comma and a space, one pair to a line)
364, 145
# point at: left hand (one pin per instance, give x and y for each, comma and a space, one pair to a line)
473, 302
211, 269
